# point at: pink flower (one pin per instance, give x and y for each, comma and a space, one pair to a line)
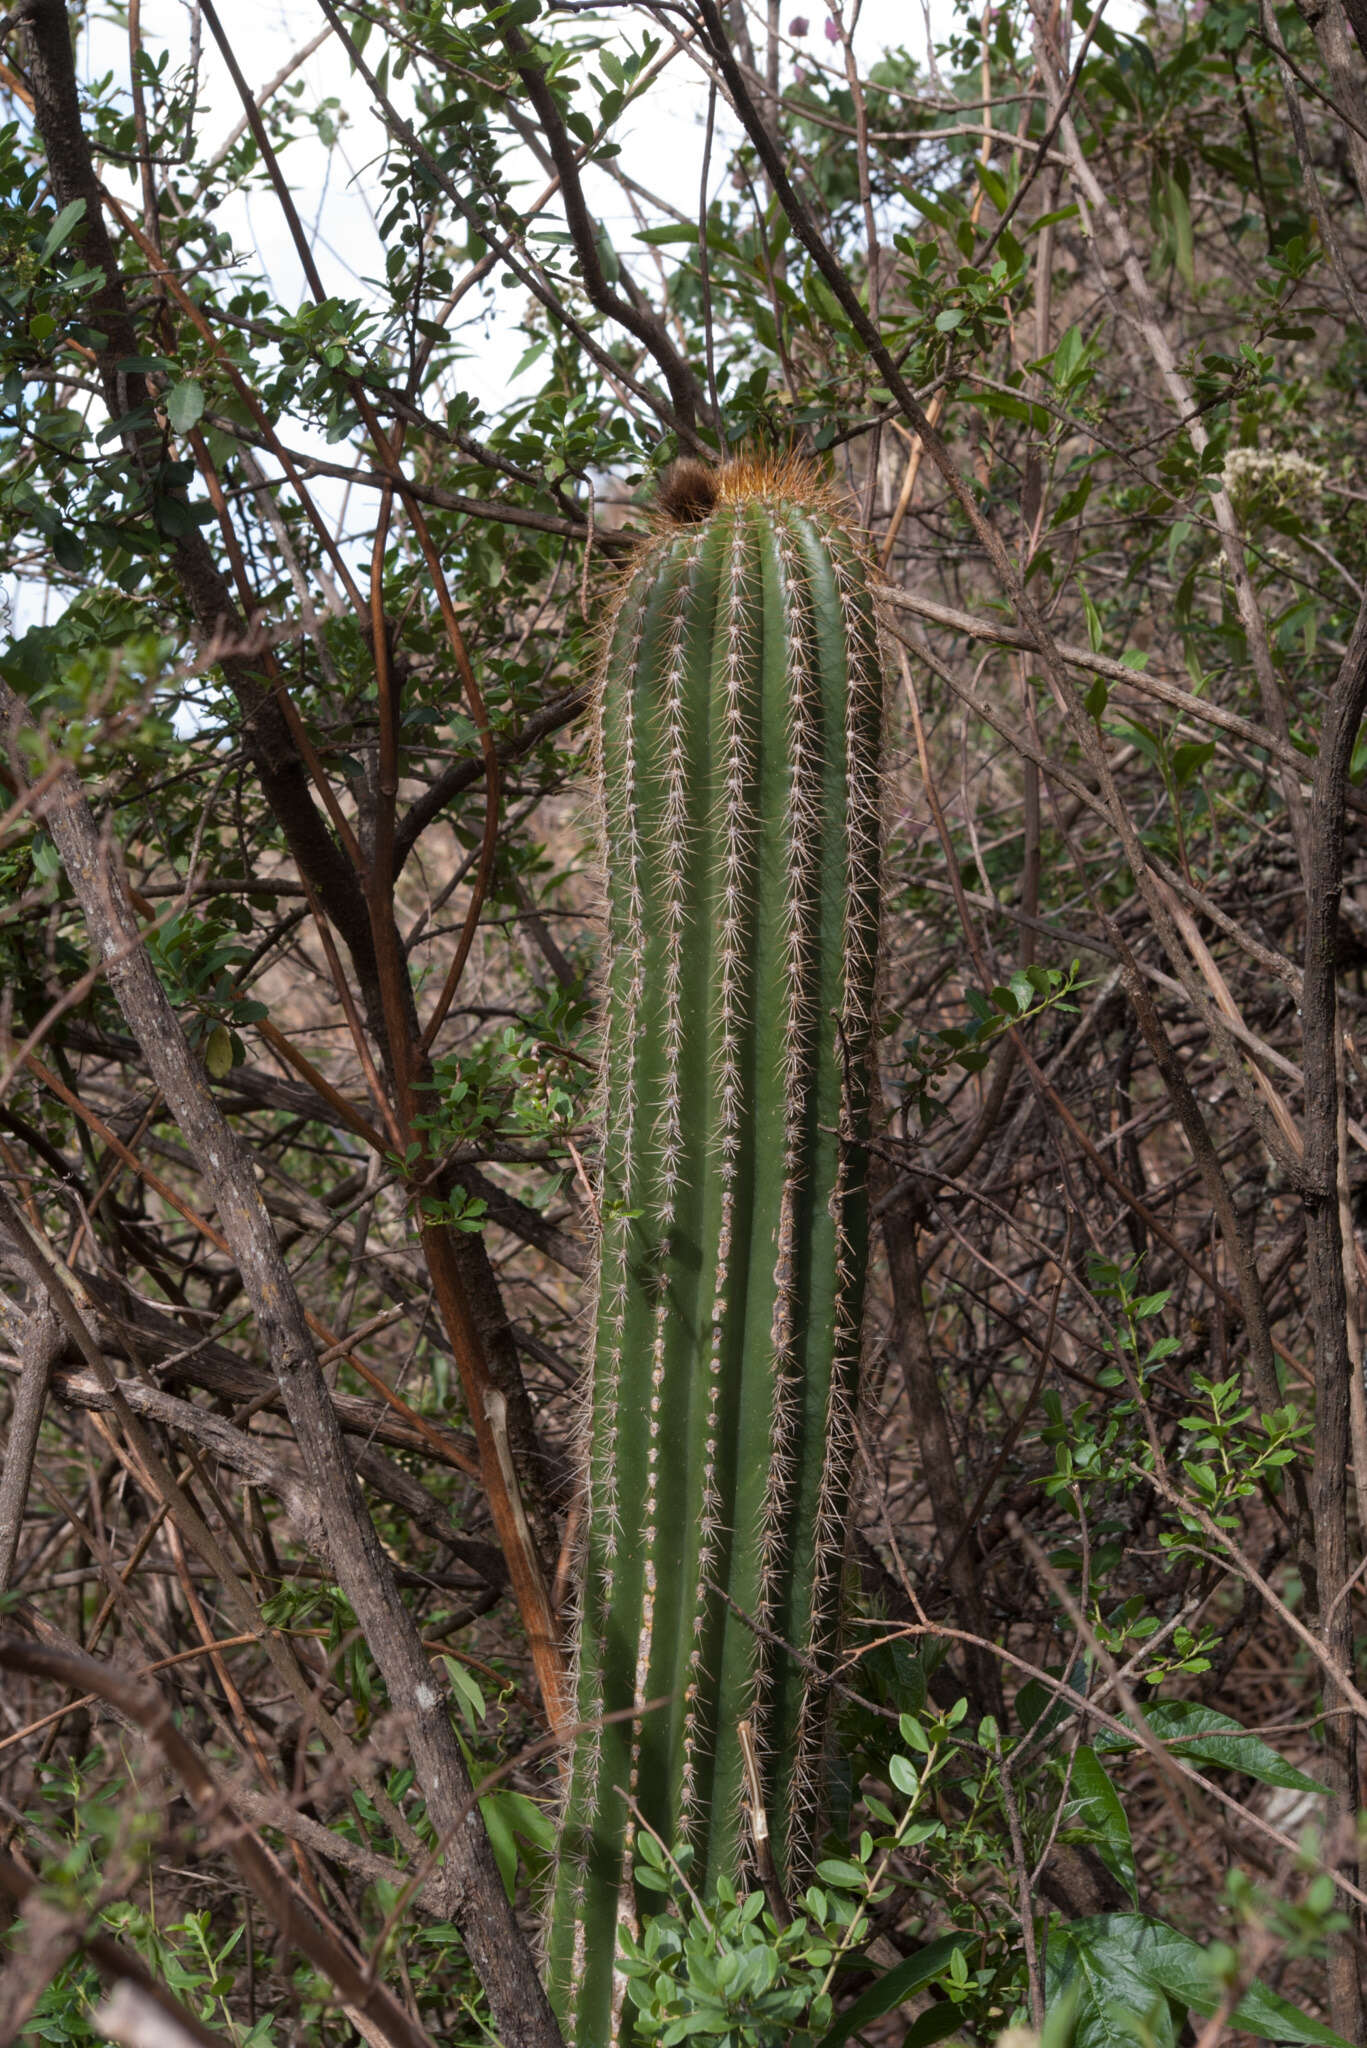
799, 25
832, 30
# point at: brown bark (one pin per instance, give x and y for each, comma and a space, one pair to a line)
42, 1342
1340, 31
1324, 1245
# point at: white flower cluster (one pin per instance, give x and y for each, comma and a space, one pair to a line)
1273, 480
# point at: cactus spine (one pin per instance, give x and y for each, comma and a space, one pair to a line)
739, 721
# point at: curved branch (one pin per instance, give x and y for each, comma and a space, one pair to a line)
647, 328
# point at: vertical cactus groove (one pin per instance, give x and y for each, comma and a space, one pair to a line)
740, 714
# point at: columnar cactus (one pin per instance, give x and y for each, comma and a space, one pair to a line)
739, 723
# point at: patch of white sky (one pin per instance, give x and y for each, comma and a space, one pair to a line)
336, 185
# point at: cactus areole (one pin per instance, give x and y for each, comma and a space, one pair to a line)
739, 713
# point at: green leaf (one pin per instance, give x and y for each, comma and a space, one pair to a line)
607, 256
61, 228
1008, 406
173, 516
1179, 213
467, 1692
1094, 1805
507, 1815
686, 233
1049, 220
827, 305
1138, 735
1182, 1967
994, 185
1035, 1701
1189, 759
931, 208
1124, 1964
527, 358
1091, 1963
910, 1976
672, 231
1095, 632
69, 549
1201, 1735
904, 1776
937, 2023
1068, 355
1060, 2022
184, 405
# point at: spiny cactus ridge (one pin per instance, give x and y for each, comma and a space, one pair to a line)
739, 720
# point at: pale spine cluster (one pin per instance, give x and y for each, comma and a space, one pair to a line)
739, 722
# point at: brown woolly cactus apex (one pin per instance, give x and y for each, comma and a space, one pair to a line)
740, 713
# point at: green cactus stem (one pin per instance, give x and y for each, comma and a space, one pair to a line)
740, 713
